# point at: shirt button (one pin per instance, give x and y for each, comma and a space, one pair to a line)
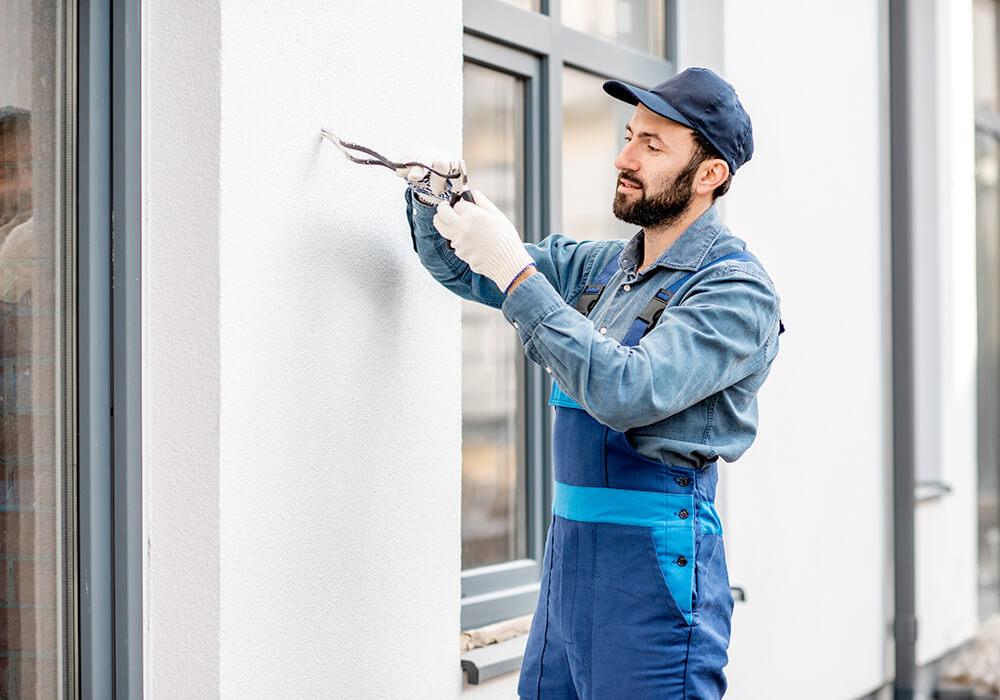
627, 287
604, 331
681, 561
683, 514
549, 370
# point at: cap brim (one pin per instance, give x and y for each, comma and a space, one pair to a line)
633, 95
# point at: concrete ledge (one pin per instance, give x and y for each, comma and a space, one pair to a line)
493, 660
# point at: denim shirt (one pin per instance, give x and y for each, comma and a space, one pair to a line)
686, 395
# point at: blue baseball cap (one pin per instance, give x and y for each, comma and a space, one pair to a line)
700, 100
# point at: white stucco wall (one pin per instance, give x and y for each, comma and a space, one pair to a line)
340, 395
180, 347
807, 505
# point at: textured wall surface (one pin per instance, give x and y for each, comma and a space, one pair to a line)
180, 346
807, 505
810, 523
340, 416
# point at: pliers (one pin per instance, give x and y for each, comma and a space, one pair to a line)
376, 158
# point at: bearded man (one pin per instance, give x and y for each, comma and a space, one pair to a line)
657, 347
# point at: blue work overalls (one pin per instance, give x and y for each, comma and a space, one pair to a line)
635, 600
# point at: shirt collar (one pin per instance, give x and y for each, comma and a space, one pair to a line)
686, 253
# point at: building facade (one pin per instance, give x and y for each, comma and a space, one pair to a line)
250, 448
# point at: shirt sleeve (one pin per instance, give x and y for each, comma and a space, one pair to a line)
724, 329
564, 262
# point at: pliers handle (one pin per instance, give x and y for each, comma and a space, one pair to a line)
346, 147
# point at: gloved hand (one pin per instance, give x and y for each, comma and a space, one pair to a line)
484, 238
423, 182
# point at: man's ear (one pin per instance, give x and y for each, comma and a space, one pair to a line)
712, 173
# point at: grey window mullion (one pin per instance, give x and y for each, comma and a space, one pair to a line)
670, 36
507, 24
95, 554
126, 456
552, 67
499, 57
603, 57
489, 579
539, 465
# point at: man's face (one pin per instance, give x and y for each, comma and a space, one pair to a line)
655, 170
15, 175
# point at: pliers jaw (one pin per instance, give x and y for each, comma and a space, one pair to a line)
463, 192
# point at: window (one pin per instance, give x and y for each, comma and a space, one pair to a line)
540, 137
37, 403
987, 96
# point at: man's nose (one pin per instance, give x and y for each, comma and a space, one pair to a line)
626, 160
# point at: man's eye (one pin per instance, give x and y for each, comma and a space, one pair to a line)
653, 149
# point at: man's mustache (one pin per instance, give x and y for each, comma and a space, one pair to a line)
629, 181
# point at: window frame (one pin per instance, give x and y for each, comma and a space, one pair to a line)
987, 125
535, 46
109, 469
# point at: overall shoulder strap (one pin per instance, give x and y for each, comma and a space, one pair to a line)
592, 292
648, 317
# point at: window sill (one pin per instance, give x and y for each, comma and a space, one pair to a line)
930, 490
493, 660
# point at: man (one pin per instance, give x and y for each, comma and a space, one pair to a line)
17, 240
658, 347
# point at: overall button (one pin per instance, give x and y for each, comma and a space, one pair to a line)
627, 287
683, 481
604, 331
681, 561
683, 514
549, 370
515, 325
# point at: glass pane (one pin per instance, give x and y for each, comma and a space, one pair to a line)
34, 613
988, 293
986, 58
593, 133
493, 497
533, 5
638, 24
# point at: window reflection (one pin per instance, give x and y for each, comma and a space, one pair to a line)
638, 24
984, 30
493, 497
988, 282
593, 129
33, 610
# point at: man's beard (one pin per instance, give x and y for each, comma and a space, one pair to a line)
664, 206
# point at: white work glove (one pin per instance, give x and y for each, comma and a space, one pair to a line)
484, 238
430, 187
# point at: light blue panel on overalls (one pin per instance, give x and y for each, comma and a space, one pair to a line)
667, 514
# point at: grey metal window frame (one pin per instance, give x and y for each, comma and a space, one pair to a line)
535, 46
110, 640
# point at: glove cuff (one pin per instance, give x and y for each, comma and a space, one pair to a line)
506, 263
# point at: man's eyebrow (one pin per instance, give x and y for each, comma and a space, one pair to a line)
643, 134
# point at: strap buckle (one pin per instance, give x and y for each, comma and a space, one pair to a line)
654, 309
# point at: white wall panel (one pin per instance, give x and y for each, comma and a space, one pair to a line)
807, 505
340, 414
180, 347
